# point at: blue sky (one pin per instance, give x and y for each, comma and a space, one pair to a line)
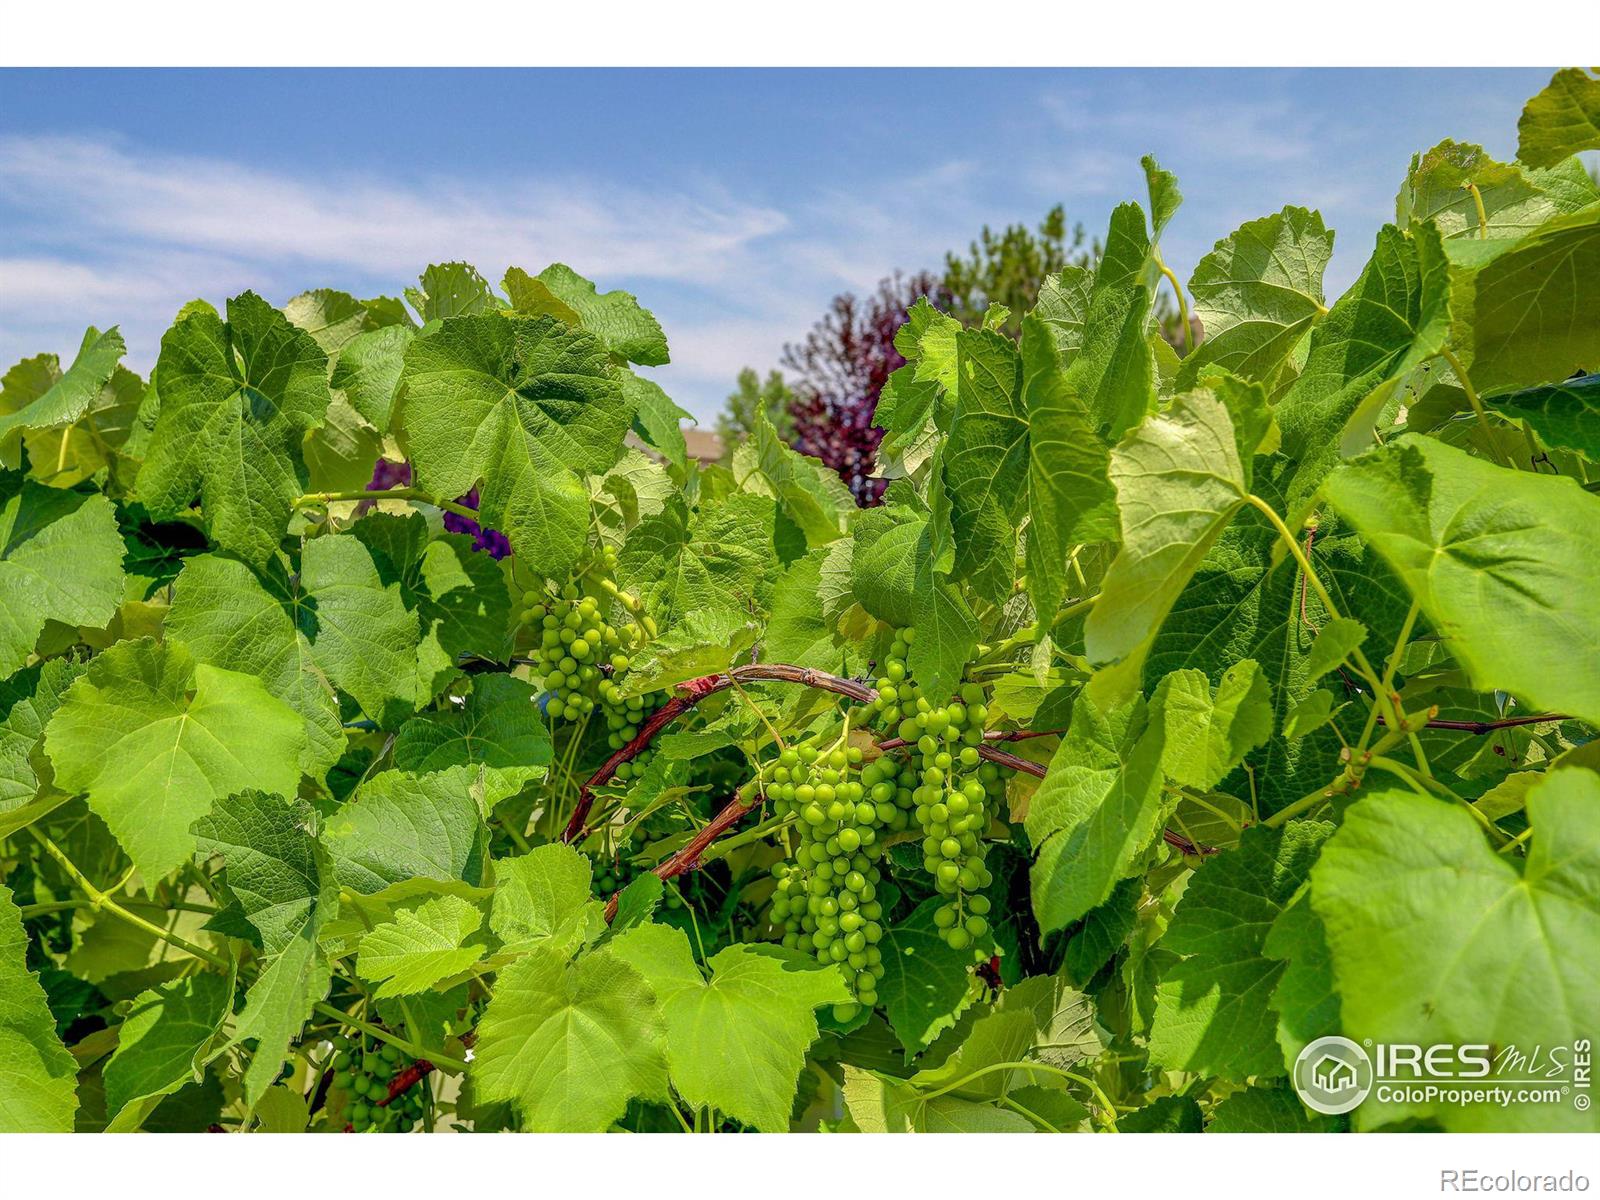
733, 203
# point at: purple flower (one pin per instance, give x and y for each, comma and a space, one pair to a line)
388, 474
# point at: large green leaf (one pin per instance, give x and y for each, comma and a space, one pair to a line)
719, 559
542, 899
880, 1104
401, 826
568, 1045
239, 619
68, 397
810, 495
155, 739
1393, 319
236, 401
738, 1040
161, 1045
925, 984
1098, 809
29, 699
1467, 194
1436, 939
60, 560
1209, 731
425, 944
280, 878
1566, 416
38, 1078
986, 461
1249, 600
1179, 479
1525, 309
459, 595
518, 407
497, 727
616, 318
361, 632
1070, 495
1257, 294
368, 372
1502, 563
1212, 1012
1561, 120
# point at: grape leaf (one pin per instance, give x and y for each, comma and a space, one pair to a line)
241, 620
1500, 561
517, 407
810, 495
424, 945
29, 698
1212, 1014
452, 289
1305, 998
361, 632
720, 559
1097, 810
69, 397
986, 461
1269, 1110
497, 728
1069, 491
1208, 734
738, 1040
1524, 308
925, 984
401, 826
38, 1078
368, 372
568, 1045
656, 416
237, 399
1394, 318
615, 318
1179, 480
1437, 939
878, 1104
280, 877
1561, 120
459, 595
542, 900
60, 560
1257, 294
155, 739
1467, 194
161, 1045
1564, 415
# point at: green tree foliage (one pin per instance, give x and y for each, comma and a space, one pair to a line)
1168, 714
754, 399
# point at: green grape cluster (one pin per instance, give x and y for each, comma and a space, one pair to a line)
955, 789
365, 1075
581, 657
826, 899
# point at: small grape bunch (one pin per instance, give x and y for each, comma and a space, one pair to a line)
955, 796
826, 898
897, 693
365, 1074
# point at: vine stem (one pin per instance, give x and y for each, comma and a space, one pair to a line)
1477, 406
1099, 1093
100, 900
315, 499
1379, 695
1183, 305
